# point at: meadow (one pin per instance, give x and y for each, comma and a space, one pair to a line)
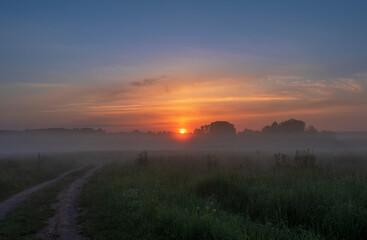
196, 195
20, 172
228, 196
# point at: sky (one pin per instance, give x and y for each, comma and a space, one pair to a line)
167, 65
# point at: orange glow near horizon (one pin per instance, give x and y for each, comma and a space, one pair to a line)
180, 105
181, 135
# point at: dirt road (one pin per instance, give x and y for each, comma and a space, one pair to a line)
9, 204
63, 224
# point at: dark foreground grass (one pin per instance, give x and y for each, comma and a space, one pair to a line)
331, 207
156, 202
30, 217
17, 174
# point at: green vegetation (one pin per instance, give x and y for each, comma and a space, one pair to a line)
17, 174
31, 215
334, 208
181, 197
222, 195
302, 159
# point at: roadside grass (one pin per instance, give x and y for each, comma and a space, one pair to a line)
31, 215
17, 174
160, 202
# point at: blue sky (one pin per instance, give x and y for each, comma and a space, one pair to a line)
80, 47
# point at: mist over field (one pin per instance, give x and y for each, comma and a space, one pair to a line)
208, 137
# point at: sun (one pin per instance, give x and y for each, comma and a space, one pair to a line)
182, 131
181, 135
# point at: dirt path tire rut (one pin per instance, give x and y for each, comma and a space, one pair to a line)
63, 224
9, 204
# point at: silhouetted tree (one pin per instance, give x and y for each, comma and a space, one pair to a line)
292, 126
202, 130
311, 129
249, 132
270, 129
66, 130
136, 132
217, 128
222, 128
288, 126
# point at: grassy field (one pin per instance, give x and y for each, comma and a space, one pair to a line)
188, 195
228, 196
20, 172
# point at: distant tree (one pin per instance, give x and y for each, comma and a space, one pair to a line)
202, 130
246, 132
217, 128
288, 126
311, 129
100, 130
65, 130
222, 128
162, 133
274, 125
292, 126
136, 131
249, 132
270, 129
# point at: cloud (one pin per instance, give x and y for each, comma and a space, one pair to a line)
196, 100
86, 125
313, 88
145, 82
350, 85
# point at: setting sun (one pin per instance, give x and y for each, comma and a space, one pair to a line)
182, 131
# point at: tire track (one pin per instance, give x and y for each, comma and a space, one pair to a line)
63, 224
9, 204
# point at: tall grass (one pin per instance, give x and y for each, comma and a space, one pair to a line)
334, 208
19, 173
170, 201
211, 195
